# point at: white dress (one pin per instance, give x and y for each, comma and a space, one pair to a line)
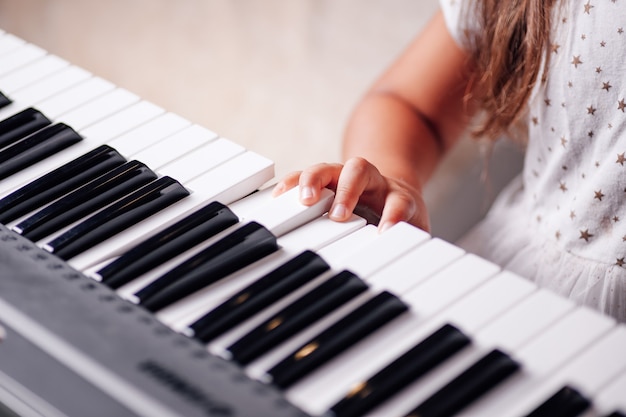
562, 222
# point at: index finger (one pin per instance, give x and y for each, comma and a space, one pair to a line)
358, 179
313, 179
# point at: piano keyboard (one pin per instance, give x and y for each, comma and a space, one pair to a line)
142, 275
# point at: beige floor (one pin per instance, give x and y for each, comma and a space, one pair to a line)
277, 76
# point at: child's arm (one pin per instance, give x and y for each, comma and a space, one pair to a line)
397, 134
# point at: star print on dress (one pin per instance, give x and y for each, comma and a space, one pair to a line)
598, 195
585, 235
590, 93
569, 206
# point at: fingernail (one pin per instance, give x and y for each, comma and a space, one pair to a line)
384, 227
306, 193
278, 189
338, 212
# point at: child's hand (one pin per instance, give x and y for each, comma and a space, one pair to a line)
358, 181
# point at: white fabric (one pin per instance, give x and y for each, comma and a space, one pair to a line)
562, 224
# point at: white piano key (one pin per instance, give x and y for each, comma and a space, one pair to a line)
334, 380
30, 73
211, 151
244, 207
225, 183
43, 89
234, 178
19, 57
611, 398
313, 236
118, 122
58, 82
336, 252
150, 133
541, 357
187, 143
97, 109
531, 316
597, 366
285, 212
319, 233
9, 42
386, 248
417, 265
74, 97
591, 369
450, 284
574, 333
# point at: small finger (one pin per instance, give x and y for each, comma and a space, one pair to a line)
357, 176
286, 183
401, 207
315, 178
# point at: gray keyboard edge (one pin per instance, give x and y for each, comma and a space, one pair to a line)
165, 367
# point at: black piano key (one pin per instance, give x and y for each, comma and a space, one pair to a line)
304, 311
86, 200
406, 369
118, 216
479, 378
242, 247
352, 328
165, 245
59, 182
260, 294
20, 125
566, 402
4, 100
617, 414
36, 147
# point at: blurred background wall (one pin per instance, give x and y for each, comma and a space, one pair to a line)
279, 77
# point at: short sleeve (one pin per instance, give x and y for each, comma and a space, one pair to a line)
456, 21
